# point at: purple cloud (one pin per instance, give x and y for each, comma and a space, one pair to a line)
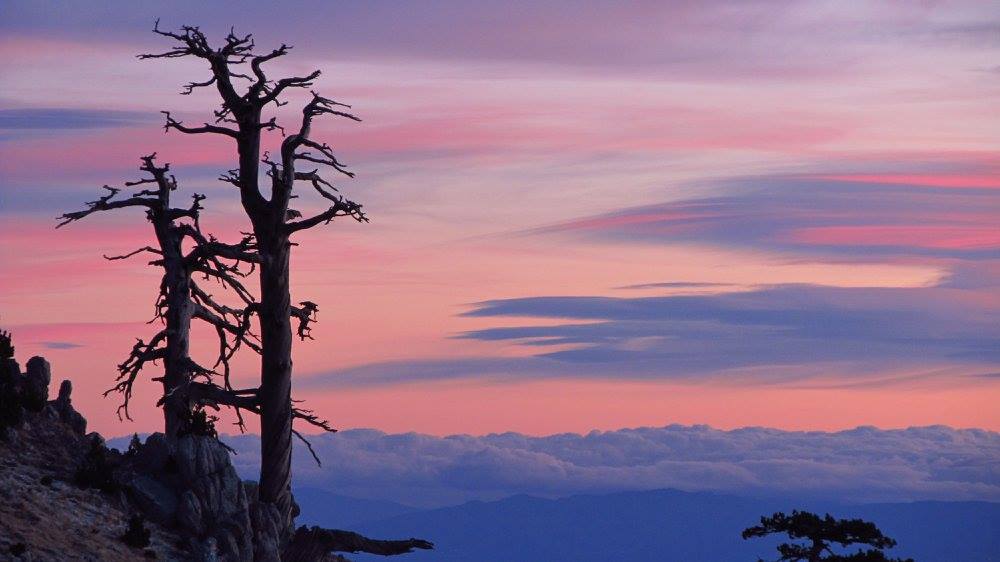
804, 216
61, 118
722, 38
798, 328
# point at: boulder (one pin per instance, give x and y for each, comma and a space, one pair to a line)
62, 406
156, 500
10, 371
191, 484
35, 386
189, 513
11, 408
154, 455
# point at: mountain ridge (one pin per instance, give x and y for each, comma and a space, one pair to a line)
675, 525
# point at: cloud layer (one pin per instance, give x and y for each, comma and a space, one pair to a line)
859, 217
863, 464
774, 333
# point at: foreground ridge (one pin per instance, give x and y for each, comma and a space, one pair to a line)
64, 493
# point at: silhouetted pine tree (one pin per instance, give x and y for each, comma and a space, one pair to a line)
819, 533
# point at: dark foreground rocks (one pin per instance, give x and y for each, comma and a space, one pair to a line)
64, 495
44, 514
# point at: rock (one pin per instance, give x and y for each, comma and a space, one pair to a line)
266, 528
186, 486
96, 440
9, 435
205, 551
35, 389
189, 513
235, 540
212, 503
10, 371
75, 420
11, 402
62, 406
157, 501
154, 454
65, 390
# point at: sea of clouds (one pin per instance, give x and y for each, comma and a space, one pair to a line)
865, 464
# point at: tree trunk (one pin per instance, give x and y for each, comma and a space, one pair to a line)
179, 310
275, 325
276, 374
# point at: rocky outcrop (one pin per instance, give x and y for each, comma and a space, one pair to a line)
35, 384
63, 407
44, 513
187, 487
100, 500
23, 394
191, 485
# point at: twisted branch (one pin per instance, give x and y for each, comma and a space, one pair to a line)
128, 370
314, 543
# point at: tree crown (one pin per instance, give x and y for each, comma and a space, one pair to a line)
819, 533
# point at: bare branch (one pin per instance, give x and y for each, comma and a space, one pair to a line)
192, 42
271, 125
306, 315
285, 83
206, 128
244, 250
308, 446
105, 203
128, 370
149, 249
190, 86
316, 107
326, 157
341, 208
213, 395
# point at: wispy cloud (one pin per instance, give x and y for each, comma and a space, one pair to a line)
719, 38
816, 217
60, 345
778, 333
674, 285
62, 118
781, 325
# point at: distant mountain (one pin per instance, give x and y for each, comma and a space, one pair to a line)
665, 525
320, 507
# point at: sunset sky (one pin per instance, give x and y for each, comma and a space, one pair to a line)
584, 215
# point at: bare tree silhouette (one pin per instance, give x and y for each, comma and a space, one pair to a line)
819, 533
181, 298
239, 120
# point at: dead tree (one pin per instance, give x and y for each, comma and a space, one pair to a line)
313, 543
180, 298
239, 120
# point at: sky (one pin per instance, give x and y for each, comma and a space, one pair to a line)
584, 215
